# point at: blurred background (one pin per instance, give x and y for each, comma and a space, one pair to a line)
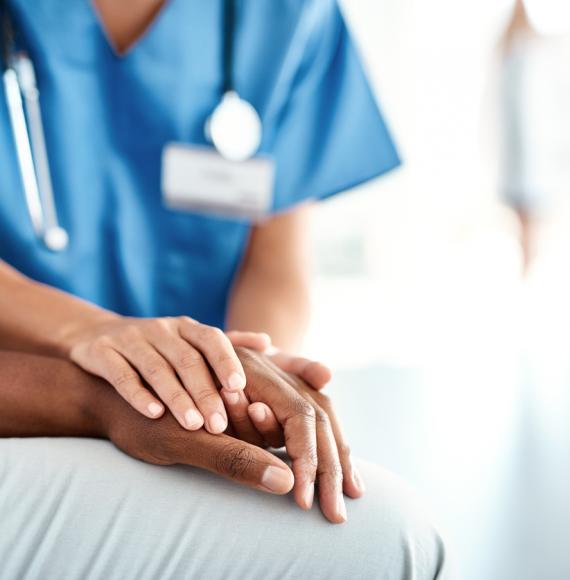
442, 291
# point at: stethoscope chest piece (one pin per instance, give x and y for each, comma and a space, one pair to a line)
234, 128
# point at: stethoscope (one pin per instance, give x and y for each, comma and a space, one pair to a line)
234, 128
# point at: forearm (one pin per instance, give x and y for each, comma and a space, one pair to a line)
39, 319
271, 304
271, 291
41, 396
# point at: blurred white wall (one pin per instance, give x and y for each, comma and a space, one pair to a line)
453, 372
400, 253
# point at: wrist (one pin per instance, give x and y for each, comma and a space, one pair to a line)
42, 396
81, 327
96, 403
43, 320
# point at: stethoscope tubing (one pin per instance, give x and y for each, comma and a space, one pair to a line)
23, 150
53, 235
22, 97
24, 110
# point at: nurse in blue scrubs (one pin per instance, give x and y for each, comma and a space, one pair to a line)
162, 273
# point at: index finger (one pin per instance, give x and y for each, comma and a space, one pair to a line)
237, 460
217, 350
352, 482
296, 415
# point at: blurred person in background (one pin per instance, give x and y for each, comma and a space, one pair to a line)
520, 189
534, 93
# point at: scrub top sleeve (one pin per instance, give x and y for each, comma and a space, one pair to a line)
329, 134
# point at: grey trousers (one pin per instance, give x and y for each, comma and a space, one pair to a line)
79, 509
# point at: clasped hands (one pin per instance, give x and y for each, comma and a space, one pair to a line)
271, 400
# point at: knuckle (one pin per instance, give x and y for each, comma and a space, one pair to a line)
322, 418
209, 334
332, 472
103, 341
160, 325
124, 378
234, 460
299, 407
309, 459
186, 320
189, 360
240, 421
224, 357
137, 396
312, 461
344, 450
218, 334
156, 368
175, 397
131, 331
205, 395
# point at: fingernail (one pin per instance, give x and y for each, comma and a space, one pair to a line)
231, 398
258, 413
217, 423
154, 409
276, 479
341, 507
309, 495
193, 419
236, 381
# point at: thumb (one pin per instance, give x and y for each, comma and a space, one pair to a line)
259, 341
239, 461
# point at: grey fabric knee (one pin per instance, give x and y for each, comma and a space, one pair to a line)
80, 509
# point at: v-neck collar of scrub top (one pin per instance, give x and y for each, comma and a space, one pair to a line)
164, 12
74, 33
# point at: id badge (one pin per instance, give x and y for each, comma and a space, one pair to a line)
199, 179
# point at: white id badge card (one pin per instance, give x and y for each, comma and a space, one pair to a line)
196, 178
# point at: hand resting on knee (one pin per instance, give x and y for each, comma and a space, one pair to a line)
42, 396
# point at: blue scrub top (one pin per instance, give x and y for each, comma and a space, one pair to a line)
108, 117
